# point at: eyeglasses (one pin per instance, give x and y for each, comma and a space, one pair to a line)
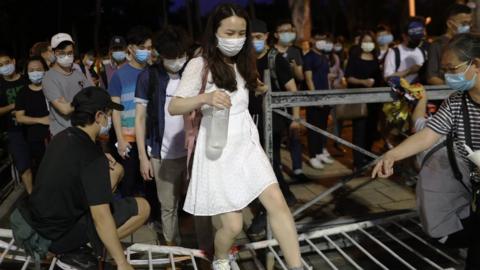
455, 68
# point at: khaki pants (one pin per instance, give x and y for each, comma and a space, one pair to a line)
169, 176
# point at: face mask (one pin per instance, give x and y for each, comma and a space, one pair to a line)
52, 58
142, 56
328, 47
368, 46
105, 130
230, 46
7, 70
462, 29
119, 56
287, 38
414, 43
106, 62
385, 39
338, 48
65, 61
36, 76
89, 63
320, 45
174, 65
259, 45
458, 82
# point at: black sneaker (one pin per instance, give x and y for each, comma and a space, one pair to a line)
257, 228
81, 259
301, 178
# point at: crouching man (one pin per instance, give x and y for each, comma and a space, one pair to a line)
72, 203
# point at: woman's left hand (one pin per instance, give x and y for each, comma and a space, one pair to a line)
261, 88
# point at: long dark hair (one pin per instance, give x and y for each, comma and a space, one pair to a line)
223, 74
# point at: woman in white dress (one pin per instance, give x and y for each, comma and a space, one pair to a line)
225, 185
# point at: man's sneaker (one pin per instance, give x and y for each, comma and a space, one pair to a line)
327, 159
221, 264
82, 259
301, 177
256, 231
316, 164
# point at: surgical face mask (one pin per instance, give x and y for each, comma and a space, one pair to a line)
174, 65
105, 130
338, 48
89, 62
259, 45
230, 46
462, 29
368, 46
458, 82
287, 37
7, 70
119, 56
384, 39
142, 56
52, 58
320, 45
65, 61
328, 47
106, 62
36, 76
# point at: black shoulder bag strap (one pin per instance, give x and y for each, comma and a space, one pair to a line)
396, 50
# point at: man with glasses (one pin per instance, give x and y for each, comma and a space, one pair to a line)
459, 21
62, 82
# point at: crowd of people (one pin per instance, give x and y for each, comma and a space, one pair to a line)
89, 134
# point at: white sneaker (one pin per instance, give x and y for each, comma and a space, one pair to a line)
326, 153
316, 164
325, 159
221, 264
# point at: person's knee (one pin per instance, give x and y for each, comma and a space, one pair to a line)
143, 208
233, 227
273, 199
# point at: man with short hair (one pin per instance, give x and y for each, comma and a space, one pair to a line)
11, 83
62, 82
81, 209
122, 89
285, 35
406, 59
459, 20
118, 57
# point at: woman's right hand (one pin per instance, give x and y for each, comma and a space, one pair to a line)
369, 82
219, 99
384, 167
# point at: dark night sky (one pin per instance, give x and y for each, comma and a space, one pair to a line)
24, 22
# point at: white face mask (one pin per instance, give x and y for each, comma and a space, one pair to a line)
105, 130
230, 46
174, 65
368, 46
320, 45
89, 63
65, 61
7, 70
36, 76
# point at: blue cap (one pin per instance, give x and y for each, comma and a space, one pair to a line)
416, 30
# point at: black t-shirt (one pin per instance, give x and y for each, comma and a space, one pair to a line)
284, 75
8, 94
363, 69
73, 175
35, 105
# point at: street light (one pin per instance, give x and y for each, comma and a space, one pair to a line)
411, 8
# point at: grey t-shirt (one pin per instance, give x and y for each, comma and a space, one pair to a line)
435, 56
57, 85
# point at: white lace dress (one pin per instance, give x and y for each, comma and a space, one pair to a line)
243, 171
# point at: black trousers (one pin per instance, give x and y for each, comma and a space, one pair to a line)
469, 238
317, 116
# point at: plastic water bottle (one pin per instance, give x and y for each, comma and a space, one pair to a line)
217, 134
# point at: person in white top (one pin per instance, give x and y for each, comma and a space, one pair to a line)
406, 59
159, 132
226, 183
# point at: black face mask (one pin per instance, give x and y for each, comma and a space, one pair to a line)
414, 43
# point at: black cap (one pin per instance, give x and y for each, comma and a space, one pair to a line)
258, 26
118, 42
93, 99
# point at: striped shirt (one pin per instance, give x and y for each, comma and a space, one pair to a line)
449, 118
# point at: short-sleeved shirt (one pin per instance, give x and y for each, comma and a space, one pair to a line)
319, 66
173, 140
408, 58
435, 56
57, 85
8, 94
363, 69
34, 104
450, 118
66, 186
123, 85
293, 54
